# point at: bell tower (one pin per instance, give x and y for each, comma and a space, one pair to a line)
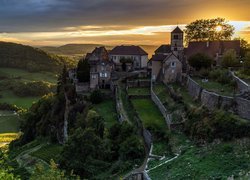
177, 41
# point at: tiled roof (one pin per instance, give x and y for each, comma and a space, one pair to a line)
163, 49
177, 30
98, 54
211, 48
158, 57
128, 50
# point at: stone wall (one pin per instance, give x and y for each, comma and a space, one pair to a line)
242, 86
210, 99
161, 107
194, 88
213, 100
243, 107
82, 87
138, 83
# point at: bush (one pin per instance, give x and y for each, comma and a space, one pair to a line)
230, 58
96, 97
199, 61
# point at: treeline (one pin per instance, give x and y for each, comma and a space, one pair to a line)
92, 151
27, 89
32, 59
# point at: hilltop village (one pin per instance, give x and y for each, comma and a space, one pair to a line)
168, 65
118, 113
171, 83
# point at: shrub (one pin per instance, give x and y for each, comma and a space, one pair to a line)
96, 97
229, 58
199, 61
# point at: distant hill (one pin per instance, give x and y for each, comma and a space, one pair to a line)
79, 50
32, 59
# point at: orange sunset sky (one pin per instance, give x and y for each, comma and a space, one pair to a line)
111, 22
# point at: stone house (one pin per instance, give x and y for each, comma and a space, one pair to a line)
167, 62
128, 58
214, 49
100, 68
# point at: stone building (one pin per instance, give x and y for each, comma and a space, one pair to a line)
128, 58
167, 62
214, 49
100, 68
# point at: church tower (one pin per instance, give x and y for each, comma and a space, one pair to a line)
177, 41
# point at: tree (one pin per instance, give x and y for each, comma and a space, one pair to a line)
96, 97
84, 153
247, 63
244, 46
199, 61
83, 71
229, 58
208, 30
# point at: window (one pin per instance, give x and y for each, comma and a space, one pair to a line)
176, 37
93, 76
173, 64
106, 74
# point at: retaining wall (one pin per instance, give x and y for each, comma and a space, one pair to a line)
213, 100
242, 85
161, 107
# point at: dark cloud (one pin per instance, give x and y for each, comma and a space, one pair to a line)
54, 15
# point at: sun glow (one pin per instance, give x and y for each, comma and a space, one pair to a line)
218, 28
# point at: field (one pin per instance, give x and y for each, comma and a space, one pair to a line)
9, 122
107, 110
150, 115
222, 89
28, 76
138, 91
48, 152
10, 74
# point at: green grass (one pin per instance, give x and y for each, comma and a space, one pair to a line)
10, 98
222, 89
12, 74
28, 76
9, 123
150, 115
48, 152
107, 110
210, 162
139, 91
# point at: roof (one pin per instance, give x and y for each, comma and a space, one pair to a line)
211, 48
128, 50
177, 30
163, 49
98, 54
170, 55
158, 57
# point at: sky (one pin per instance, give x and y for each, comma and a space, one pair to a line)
112, 22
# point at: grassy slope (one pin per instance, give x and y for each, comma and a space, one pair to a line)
28, 76
213, 86
107, 110
22, 75
48, 152
9, 123
217, 161
149, 113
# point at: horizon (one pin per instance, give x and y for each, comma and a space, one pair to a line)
111, 22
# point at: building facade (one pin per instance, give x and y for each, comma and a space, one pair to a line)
128, 58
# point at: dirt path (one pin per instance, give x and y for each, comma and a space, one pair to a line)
24, 159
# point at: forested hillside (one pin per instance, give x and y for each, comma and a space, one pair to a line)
32, 59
